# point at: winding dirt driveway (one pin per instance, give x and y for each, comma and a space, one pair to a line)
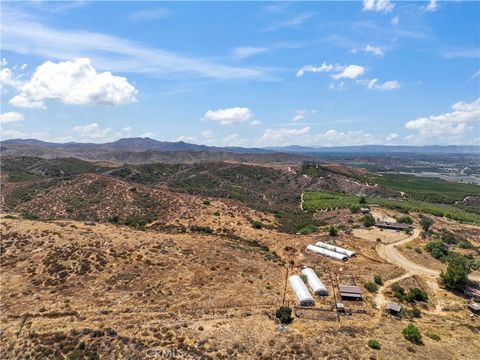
391, 254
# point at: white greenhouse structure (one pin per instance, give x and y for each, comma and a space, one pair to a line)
337, 249
328, 253
314, 282
301, 292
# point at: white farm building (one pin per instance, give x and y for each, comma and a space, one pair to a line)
337, 249
314, 282
328, 253
301, 292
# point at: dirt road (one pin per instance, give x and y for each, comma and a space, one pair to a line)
391, 254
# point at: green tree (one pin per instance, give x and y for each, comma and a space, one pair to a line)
416, 294
426, 222
332, 231
368, 220
378, 279
284, 314
456, 276
362, 200
371, 286
412, 334
374, 344
355, 209
257, 224
437, 249
405, 219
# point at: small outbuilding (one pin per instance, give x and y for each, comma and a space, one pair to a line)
474, 307
364, 210
340, 307
472, 292
391, 225
393, 308
349, 292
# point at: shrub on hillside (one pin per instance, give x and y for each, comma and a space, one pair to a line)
373, 344
355, 209
306, 230
284, 314
412, 334
257, 224
378, 279
371, 287
416, 294
202, 229
437, 249
332, 231
426, 222
368, 220
405, 219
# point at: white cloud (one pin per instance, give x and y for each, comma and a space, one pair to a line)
247, 51
91, 131
73, 82
322, 68
186, 138
8, 79
378, 5
432, 6
13, 134
474, 76
299, 115
369, 49
229, 116
284, 135
255, 122
395, 20
234, 140
150, 14
350, 72
468, 53
448, 125
375, 85
148, 134
10, 117
293, 22
22, 35
337, 86
391, 136
339, 138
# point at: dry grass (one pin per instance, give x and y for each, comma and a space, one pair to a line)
106, 290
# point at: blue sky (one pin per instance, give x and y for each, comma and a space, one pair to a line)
243, 74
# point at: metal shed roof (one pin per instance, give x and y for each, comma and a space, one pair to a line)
349, 289
474, 306
393, 307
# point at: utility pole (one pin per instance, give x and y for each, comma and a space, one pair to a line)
285, 285
291, 263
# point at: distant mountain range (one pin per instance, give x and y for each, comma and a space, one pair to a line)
141, 150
